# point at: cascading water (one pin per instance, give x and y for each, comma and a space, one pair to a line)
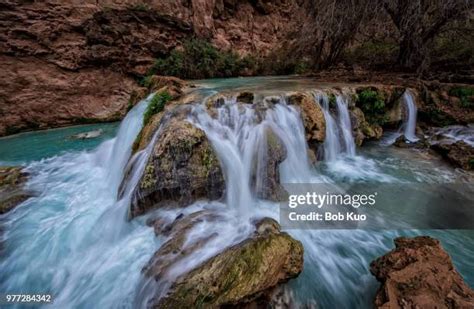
73, 240
410, 119
339, 139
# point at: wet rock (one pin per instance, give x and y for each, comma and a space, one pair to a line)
245, 97
88, 135
313, 118
459, 154
267, 177
418, 273
361, 129
181, 169
240, 273
12, 192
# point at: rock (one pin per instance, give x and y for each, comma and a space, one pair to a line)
88, 135
12, 192
240, 273
245, 97
66, 63
267, 176
418, 273
181, 169
459, 153
313, 119
361, 129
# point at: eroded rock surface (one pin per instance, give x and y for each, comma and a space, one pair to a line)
459, 153
240, 273
418, 273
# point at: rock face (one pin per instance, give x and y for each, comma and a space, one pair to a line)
12, 180
182, 168
459, 153
240, 273
313, 119
69, 62
418, 273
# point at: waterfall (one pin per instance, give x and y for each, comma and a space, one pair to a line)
345, 124
238, 134
339, 139
410, 119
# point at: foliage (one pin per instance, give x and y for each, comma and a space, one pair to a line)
372, 104
199, 59
471, 163
465, 94
140, 7
372, 53
156, 105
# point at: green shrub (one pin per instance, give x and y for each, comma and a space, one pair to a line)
471, 163
372, 104
140, 7
465, 94
156, 105
199, 59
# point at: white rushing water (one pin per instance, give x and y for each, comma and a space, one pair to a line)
339, 139
409, 124
73, 240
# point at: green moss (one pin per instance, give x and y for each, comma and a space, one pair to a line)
156, 105
148, 180
141, 7
372, 104
465, 94
332, 100
471, 163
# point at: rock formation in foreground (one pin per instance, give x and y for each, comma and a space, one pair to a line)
418, 273
12, 193
238, 275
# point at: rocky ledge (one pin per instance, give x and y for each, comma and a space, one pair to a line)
418, 273
12, 192
239, 275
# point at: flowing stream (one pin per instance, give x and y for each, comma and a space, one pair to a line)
73, 239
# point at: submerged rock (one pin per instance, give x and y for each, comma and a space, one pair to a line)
88, 135
239, 274
460, 153
418, 273
181, 169
12, 193
313, 118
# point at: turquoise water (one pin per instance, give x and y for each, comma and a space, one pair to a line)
33, 146
73, 239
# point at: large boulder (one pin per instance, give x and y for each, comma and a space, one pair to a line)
313, 118
12, 192
181, 169
236, 276
460, 153
418, 273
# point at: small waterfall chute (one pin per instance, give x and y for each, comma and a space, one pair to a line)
409, 125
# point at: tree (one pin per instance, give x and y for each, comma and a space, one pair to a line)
419, 22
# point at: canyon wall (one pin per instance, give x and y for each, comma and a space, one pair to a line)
73, 62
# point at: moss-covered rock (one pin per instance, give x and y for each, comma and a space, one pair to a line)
12, 193
313, 118
362, 129
181, 169
240, 273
